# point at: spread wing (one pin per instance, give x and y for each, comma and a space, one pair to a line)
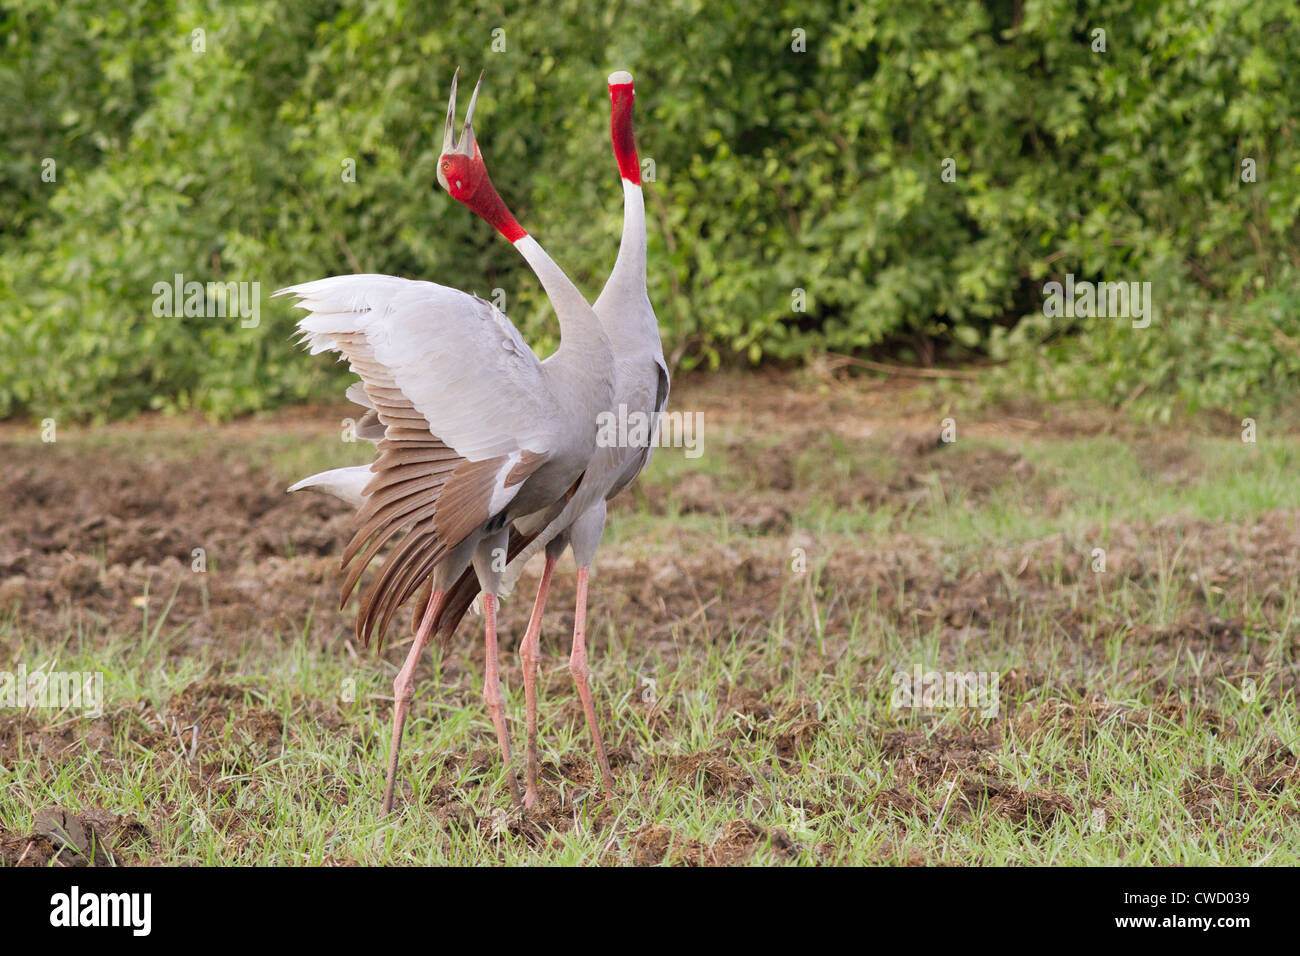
466, 413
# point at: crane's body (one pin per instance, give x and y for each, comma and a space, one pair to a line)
641, 385
610, 361
477, 432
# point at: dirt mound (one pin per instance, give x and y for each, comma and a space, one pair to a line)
61, 837
106, 538
736, 843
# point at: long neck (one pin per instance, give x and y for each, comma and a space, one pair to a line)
623, 304
581, 334
629, 268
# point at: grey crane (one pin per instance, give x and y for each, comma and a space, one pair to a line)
640, 391
478, 434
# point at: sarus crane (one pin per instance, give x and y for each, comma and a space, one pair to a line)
421, 463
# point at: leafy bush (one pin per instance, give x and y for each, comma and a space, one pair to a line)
776, 170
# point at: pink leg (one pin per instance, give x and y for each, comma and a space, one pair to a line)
531, 656
578, 666
422, 602
492, 691
404, 693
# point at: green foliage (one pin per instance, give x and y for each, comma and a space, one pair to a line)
776, 170
1198, 356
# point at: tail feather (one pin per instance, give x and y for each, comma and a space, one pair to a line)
344, 483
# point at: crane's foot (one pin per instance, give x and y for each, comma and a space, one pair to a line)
492, 695
400, 709
404, 693
530, 655
578, 667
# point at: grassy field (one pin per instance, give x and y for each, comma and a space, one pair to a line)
1133, 591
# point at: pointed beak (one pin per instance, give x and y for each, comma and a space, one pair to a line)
466, 144
448, 142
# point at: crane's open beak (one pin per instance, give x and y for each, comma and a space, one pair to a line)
466, 145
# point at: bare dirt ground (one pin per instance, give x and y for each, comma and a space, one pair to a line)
97, 539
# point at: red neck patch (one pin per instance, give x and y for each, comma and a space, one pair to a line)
469, 183
487, 202
621, 96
